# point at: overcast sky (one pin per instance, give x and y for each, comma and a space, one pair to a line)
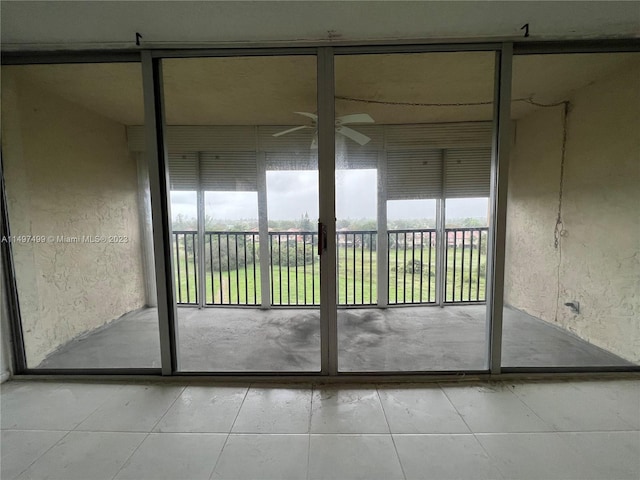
291, 194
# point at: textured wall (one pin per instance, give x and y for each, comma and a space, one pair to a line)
68, 172
598, 263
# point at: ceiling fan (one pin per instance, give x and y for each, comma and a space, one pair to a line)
348, 132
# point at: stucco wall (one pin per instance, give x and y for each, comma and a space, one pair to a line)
598, 262
68, 172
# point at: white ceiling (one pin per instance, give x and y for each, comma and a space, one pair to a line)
100, 24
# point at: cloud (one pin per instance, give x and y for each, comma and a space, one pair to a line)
291, 194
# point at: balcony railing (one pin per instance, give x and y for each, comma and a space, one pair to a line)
294, 269
233, 273
412, 260
356, 268
465, 264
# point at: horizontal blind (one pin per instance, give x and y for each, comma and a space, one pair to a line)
438, 135
415, 159
291, 161
467, 172
228, 171
414, 174
199, 138
183, 171
309, 161
219, 171
299, 141
357, 160
413, 153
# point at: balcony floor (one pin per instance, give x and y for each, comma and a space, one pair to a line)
288, 340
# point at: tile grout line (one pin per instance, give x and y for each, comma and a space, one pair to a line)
45, 452
309, 433
351, 434
58, 386
551, 428
148, 434
124, 464
456, 409
513, 391
617, 413
393, 440
226, 440
107, 397
167, 411
493, 461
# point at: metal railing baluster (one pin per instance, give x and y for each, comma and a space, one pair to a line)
421, 262
479, 255
469, 265
186, 266
273, 300
296, 249
463, 285
280, 268
253, 261
304, 266
371, 299
179, 299
462, 270
220, 267
212, 268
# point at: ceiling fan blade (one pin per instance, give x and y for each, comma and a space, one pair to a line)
284, 132
312, 116
354, 118
357, 137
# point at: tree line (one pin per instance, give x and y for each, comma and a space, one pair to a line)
305, 224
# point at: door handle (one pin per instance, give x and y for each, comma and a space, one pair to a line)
322, 238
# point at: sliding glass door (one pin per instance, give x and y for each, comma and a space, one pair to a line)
79, 209
413, 158
243, 173
394, 152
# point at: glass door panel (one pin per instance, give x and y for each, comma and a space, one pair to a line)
243, 173
422, 125
572, 271
79, 209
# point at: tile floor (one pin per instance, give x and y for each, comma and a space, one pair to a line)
498, 430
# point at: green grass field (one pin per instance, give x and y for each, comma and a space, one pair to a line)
410, 280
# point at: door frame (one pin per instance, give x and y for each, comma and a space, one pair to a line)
325, 78
157, 160
149, 59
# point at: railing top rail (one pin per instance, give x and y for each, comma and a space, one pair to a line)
228, 232
466, 229
296, 232
413, 230
339, 232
